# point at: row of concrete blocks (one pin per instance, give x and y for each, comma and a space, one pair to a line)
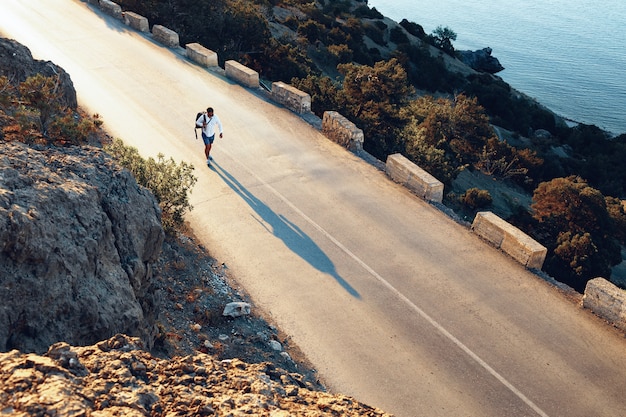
601, 296
487, 225
292, 98
340, 130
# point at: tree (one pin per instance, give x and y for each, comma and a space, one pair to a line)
419, 146
458, 127
323, 91
373, 97
6, 91
42, 93
578, 229
475, 198
571, 204
442, 39
311, 30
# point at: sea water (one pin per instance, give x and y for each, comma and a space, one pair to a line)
570, 55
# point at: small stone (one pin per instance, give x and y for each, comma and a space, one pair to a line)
236, 309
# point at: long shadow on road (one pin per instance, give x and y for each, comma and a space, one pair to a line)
291, 235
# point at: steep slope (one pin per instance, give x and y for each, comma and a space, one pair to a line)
78, 239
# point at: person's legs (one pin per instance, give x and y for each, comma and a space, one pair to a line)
208, 141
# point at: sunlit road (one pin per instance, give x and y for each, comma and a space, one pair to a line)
394, 303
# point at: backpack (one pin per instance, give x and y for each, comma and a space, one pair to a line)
198, 127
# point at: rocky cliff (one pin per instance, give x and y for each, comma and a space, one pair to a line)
17, 64
481, 60
78, 237
116, 377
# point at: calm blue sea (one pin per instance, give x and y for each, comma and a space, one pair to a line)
570, 55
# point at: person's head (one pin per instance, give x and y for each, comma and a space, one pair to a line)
209, 111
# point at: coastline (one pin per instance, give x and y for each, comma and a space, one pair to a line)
568, 67
454, 64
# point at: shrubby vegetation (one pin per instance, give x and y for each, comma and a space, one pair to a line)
582, 229
171, 183
33, 112
475, 199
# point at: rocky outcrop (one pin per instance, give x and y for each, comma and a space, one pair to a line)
481, 60
116, 377
17, 64
78, 237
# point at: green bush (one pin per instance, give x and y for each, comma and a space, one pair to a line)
413, 28
72, 128
171, 183
475, 198
397, 36
364, 11
375, 33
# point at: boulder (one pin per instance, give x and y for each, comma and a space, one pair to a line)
78, 237
481, 60
17, 64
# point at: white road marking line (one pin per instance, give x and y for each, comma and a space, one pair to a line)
397, 293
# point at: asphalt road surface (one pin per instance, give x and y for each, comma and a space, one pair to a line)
392, 301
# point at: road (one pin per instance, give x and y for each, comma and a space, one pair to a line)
392, 301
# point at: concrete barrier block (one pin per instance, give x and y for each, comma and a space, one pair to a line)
96, 2
201, 55
607, 301
290, 97
165, 36
242, 74
136, 21
489, 227
111, 8
523, 248
405, 172
342, 131
509, 239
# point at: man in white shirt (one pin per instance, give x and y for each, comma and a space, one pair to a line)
208, 121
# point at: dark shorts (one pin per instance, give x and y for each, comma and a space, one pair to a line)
208, 139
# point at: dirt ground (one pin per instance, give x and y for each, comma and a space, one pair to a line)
194, 291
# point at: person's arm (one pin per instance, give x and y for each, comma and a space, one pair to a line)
219, 125
201, 120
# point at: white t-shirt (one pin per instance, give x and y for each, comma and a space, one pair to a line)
211, 122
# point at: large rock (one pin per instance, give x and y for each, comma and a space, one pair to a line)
117, 378
481, 60
17, 64
77, 240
